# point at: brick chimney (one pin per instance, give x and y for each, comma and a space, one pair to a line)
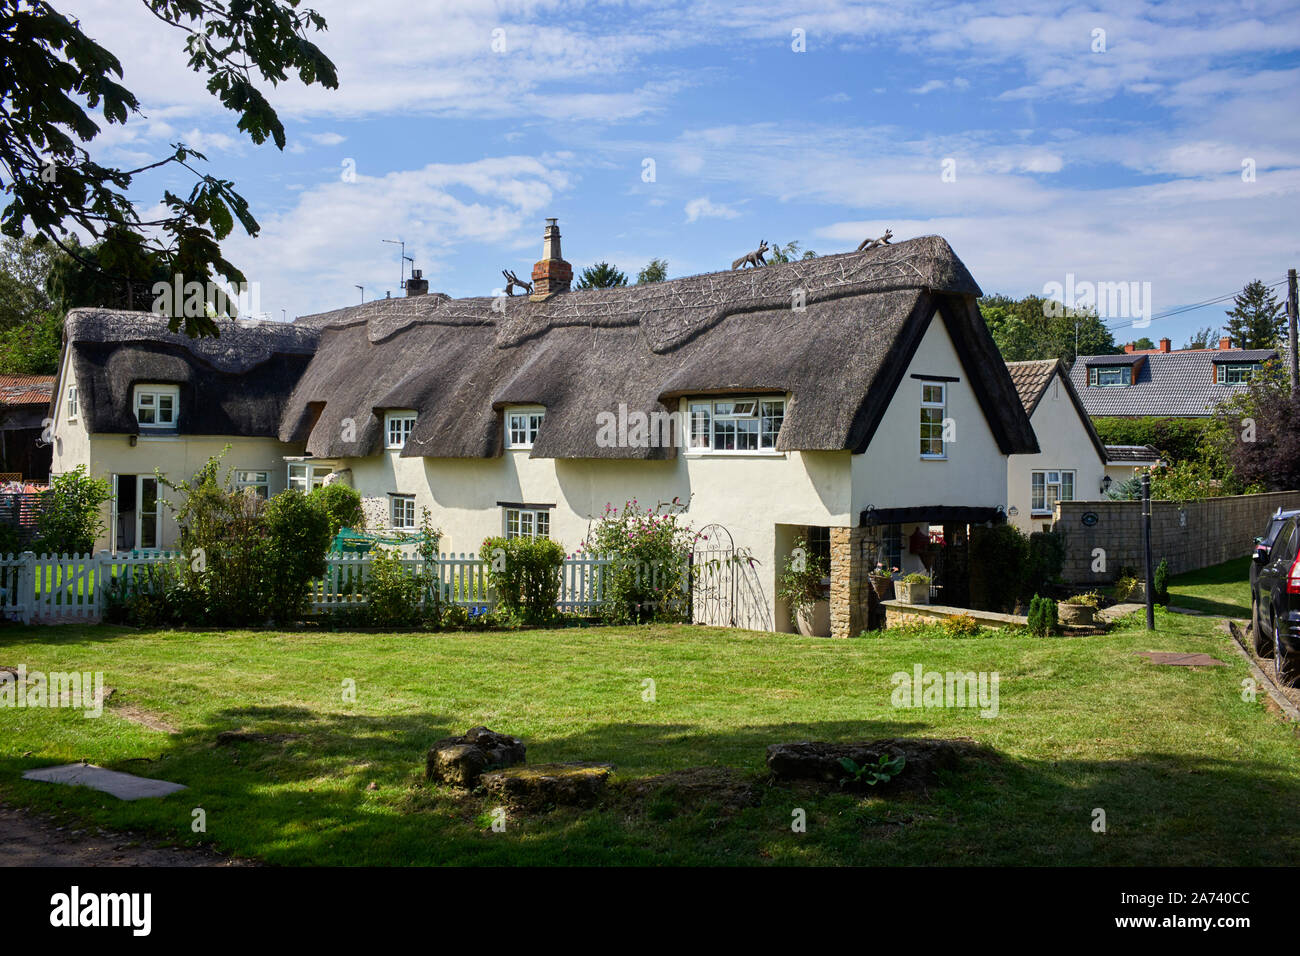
551, 274
1129, 346
417, 284
1165, 345
1225, 343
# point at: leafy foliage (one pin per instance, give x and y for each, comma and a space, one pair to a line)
1256, 319
1258, 431
1160, 580
54, 74
1177, 439
1025, 329
1043, 617
71, 518
1044, 558
650, 580
789, 252
341, 505
601, 276
886, 768
656, 270
961, 625
997, 566
800, 583
392, 593
525, 574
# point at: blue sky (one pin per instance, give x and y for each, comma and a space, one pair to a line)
1115, 164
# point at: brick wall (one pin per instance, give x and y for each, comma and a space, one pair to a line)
849, 582
1190, 534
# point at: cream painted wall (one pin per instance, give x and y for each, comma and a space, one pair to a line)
892, 473
1065, 446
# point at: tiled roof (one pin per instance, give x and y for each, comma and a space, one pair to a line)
26, 389
1030, 378
1245, 355
1136, 454
1175, 384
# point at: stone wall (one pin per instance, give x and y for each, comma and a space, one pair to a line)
896, 613
850, 582
1190, 535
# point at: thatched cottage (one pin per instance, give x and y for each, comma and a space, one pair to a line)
856, 400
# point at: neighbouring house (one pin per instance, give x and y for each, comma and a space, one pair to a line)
1126, 461
25, 451
1164, 382
1071, 463
856, 400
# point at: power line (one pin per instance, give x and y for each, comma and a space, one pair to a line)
1190, 308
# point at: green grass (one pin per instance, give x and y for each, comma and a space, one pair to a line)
1186, 771
1223, 590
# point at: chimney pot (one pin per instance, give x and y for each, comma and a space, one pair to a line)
1165, 345
551, 274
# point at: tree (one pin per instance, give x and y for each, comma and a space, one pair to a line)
71, 520
1256, 320
790, 252
1025, 329
656, 270
54, 74
31, 326
601, 276
1200, 339
1144, 344
1259, 431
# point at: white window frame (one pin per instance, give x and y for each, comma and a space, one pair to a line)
313, 477
397, 429
930, 404
1047, 479
522, 425
401, 512
1221, 370
531, 523
256, 478
705, 416
1125, 376
155, 394
73, 408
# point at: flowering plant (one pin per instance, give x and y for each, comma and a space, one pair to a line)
650, 577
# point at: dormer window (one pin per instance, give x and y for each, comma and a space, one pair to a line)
522, 425
157, 406
398, 427
1235, 373
1110, 375
735, 425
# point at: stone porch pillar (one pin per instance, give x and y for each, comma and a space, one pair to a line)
850, 582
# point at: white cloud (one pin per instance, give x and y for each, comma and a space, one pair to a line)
702, 208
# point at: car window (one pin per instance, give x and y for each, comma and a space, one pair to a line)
1274, 527
1283, 541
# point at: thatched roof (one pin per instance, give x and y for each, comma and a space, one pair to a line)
459, 361
234, 384
1031, 380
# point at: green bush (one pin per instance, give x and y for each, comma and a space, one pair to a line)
1044, 558
961, 625
297, 539
998, 556
1177, 439
1042, 616
800, 583
650, 579
70, 521
525, 574
1160, 581
393, 595
341, 505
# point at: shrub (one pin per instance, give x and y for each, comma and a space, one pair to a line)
1160, 580
961, 625
1125, 587
70, 520
525, 573
393, 596
916, 578
800, 584
997, 566
1091, 599
1044, 558
1042, 616
297, 539
650, 578
341, 505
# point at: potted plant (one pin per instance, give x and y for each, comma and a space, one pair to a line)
882, 581
913, 588
804, 586
1079, 608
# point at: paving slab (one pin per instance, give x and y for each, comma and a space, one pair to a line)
124, 786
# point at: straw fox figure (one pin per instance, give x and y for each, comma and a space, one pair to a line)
754, 258
512, 280
874, 243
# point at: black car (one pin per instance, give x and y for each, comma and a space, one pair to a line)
1275, 595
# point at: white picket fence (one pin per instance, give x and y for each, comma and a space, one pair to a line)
67, 588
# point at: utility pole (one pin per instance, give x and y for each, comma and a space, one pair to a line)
401, 261
1291, 308
1146, 548
363, 291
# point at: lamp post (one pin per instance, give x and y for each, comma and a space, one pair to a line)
1146, 549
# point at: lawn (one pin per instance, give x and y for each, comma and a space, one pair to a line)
1186, 771
1223, 589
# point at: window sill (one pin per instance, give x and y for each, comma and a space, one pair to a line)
934, 458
